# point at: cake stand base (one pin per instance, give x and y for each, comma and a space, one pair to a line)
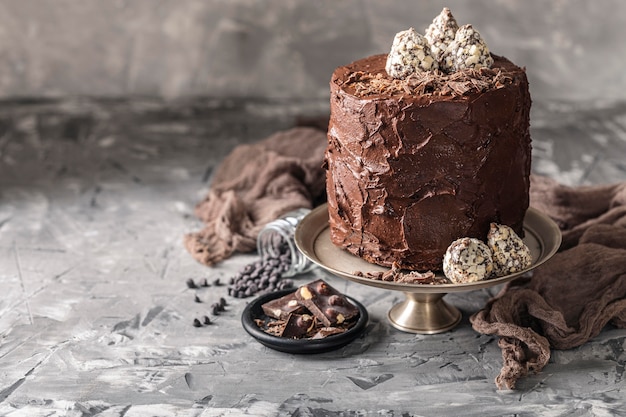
424, 314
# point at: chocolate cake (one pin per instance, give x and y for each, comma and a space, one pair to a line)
416, 162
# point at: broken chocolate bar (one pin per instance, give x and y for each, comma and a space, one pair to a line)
327, 331
326, 303
298, 325
282, 307
313, 311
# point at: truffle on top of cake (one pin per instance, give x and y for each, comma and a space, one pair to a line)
447, 60
410, 53
468, 50
441, 32
445, 46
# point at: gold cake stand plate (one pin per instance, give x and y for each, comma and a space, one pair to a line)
423, 310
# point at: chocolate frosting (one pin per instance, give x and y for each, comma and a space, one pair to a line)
407, 174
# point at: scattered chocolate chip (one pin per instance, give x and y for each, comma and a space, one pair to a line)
197, 299
196, 323
217, 282
215, 309
191, 283
206, 320
205, 283
222, 302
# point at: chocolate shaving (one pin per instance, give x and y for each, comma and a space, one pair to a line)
435, 83
395, 274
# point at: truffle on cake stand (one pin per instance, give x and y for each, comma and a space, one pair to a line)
423, 309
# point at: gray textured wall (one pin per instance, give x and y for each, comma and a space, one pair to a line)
573, 49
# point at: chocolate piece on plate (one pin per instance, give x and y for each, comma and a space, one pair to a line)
282, 307
326, 303
271, 326
298, 325
327, 331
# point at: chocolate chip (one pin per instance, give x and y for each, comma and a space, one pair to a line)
206, 320
191, 283
215, 309
197, 299
205, 283
263, 275
196, 323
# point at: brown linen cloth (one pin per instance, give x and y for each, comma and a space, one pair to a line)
570, 298
254, 185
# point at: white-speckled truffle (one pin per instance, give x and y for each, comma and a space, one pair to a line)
467, 260
441, 32
467, 50
510, 253
410, 53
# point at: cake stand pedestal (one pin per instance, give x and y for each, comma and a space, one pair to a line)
423, 310
424, 313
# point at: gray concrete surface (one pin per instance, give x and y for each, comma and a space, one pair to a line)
96, 319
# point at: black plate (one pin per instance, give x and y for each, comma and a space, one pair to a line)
254, 311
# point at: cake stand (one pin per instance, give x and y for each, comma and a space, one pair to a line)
423, 309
